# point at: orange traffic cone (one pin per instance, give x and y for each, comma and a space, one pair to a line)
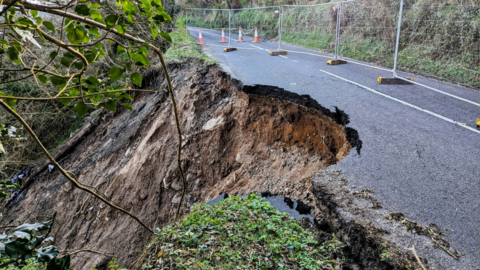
255, 39
200, 38
240, 38
224, 40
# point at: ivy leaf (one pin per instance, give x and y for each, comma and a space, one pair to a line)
136, 78
17, 46
157, 3
141, 60
27, 227
74, 92
12, 54
94, 31
91, 57
142, 50
46, 254
34, 13
111, 20
49, 26
65, 62
95, 6
154, 30
42, 78
146, 4
128, 7
78, 65
115, 73
60, 264
121, 27
166, 36
162, 16
82, 10
93, 80
53, 54
10, 102
120, 49
110, 105
17, 248
76, 36
80, 108
128, 106
65, 101
57, 81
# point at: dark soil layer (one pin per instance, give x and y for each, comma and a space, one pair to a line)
237, 139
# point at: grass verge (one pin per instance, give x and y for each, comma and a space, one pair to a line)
239, 233
184, 46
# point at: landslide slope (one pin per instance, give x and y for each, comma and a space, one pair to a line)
237, 139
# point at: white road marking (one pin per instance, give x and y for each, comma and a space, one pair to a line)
403, 102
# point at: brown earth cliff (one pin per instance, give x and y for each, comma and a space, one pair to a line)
237, 139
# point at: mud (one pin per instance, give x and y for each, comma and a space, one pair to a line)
237, 139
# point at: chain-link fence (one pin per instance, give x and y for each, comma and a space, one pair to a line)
441, 41
206, 25
248, 23
437, 39
368, 31
311, 26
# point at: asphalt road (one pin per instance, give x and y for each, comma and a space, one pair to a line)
417, 162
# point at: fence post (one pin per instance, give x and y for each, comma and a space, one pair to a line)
337, 37
229, 26
280, 30
186, 26
399, 29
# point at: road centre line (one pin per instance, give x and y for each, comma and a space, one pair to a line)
403, 102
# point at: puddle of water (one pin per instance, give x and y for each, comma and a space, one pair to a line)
282, 204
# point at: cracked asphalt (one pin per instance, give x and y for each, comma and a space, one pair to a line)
417, 163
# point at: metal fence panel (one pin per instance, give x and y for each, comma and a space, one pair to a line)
207, 23
265, 21
311, 26
441, 41
368, 31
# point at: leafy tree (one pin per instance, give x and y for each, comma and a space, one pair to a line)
56, 45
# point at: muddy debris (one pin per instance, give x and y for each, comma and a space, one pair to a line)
367, 194
433, 231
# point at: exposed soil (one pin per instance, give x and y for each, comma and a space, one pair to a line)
237, 139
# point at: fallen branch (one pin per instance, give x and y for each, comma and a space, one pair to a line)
418, 258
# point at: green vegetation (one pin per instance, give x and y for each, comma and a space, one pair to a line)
245, 232
112, 265
182, 49
24, 247
311, 40
29, 265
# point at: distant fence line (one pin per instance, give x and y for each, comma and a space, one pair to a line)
440, 41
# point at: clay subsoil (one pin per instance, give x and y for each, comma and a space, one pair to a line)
237, 140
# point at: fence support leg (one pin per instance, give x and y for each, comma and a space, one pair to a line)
336, 62
397, 45
337, 34
229, 49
